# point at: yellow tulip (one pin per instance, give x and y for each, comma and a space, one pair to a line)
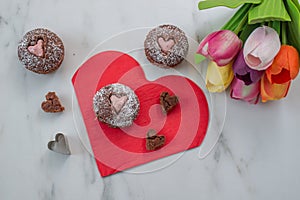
218, 78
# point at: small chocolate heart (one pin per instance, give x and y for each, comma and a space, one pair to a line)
118, 102
60, 144
52, 103
154, 141
167, 101
165, 46
37, 49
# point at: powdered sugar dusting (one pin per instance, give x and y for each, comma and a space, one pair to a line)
107, 114
53, 51
175, 54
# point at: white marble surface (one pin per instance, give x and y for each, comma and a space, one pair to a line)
257, 156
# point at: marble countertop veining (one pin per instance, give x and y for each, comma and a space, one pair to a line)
257, 156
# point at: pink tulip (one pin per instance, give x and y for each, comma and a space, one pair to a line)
249, 93
220, 47
261, 47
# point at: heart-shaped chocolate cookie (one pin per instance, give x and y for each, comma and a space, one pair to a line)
118, 102
154, 141
52, 103
37, 49
60, 144
167, 101
165, 45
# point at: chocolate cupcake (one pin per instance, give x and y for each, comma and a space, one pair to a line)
166, 46
41, 51
116, 105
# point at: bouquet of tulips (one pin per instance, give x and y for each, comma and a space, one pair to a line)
256, 53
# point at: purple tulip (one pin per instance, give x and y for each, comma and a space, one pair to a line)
261, 47
240, 91
243, 72
220, 46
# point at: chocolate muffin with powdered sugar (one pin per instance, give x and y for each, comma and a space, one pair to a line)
116, 105
166, 46
41, 51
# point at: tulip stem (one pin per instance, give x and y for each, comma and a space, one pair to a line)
276, 25
242, 24
247, 31
283, 33
237, 17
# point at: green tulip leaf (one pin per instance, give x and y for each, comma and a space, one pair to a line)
199, 58
227, 3
268, 10
294, 25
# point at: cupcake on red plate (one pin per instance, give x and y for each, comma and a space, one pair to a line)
116, 105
